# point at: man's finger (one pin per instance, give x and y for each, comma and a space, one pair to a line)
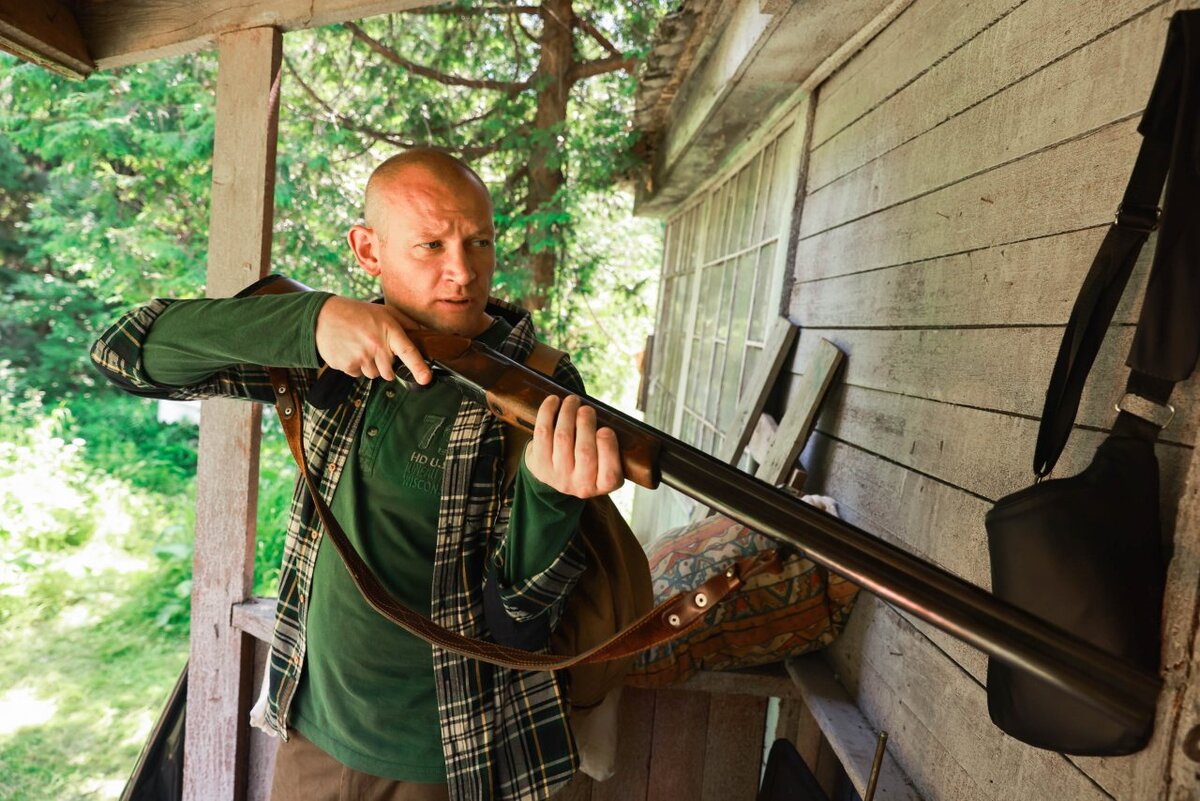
383, 364
585, 448
564, 436
610, 474
406, 351
541, 448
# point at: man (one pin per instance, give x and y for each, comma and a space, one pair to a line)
415, 478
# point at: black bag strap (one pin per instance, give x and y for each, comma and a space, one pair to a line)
1167, 341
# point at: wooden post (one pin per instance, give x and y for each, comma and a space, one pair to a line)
227, 475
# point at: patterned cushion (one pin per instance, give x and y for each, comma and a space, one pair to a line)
773, 617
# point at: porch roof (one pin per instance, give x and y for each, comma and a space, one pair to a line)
718, 68
77, 37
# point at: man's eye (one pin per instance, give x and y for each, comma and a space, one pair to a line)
436, 245
482, 243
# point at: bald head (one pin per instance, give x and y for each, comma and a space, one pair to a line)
424, 169
429, 238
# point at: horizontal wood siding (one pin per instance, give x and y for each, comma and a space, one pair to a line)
961, 172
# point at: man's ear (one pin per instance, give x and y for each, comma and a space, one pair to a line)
365, 244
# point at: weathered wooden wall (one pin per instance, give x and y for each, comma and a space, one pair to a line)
962, 168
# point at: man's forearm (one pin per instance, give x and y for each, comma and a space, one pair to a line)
193, 339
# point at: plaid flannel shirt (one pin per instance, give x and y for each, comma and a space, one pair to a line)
505, 733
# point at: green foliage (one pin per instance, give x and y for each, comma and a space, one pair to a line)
276, 481
104, 189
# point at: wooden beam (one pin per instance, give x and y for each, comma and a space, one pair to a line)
776, 349
798, 421
801, 415
134, 31
847, 731
45, 33
222, 656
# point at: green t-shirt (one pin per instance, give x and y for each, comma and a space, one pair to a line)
367, 694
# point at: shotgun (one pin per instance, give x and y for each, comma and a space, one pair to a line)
513, 393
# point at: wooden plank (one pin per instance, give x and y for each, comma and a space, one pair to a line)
802, 407
45, 33
733, 753
781, 334
905, 681
848, 733
227, 473
133, 31
256, 617
985, 453
263, 746
926, 517
768, 681
997, 369
850, 48
938, 522
763, 436
1022, 283
1107, 81
1035, 34
636, 729
924, 34
1184, 765
677, 750
1056, 190
244, 144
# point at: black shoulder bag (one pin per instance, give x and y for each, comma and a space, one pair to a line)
1086, 552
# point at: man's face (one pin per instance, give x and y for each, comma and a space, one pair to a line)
432, 248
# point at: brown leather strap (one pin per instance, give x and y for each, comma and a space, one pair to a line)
666, 621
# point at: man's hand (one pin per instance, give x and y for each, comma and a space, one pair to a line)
569, 454
363, 339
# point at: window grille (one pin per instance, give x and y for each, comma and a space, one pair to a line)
722, 277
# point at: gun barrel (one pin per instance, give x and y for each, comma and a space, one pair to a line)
1000, 629
977, 617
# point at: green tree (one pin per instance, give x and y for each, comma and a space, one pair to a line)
539, 97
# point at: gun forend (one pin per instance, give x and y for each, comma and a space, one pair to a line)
513, 392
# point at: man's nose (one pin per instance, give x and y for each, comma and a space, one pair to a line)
457, 267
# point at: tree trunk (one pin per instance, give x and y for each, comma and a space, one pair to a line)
552, 79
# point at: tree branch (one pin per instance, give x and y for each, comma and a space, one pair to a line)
397, 140
535, 39
518, 53
515, 177
595, 33
588, 69
425, 72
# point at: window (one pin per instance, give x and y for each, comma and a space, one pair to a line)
722, 278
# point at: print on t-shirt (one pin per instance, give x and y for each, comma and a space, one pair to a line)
426, 463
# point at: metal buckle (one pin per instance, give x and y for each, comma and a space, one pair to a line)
1144, 408
1143, 219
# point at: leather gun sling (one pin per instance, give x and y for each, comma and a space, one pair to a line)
668, 620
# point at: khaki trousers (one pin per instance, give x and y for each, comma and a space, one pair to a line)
304, 772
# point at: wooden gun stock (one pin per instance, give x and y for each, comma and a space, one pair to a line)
513, 392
